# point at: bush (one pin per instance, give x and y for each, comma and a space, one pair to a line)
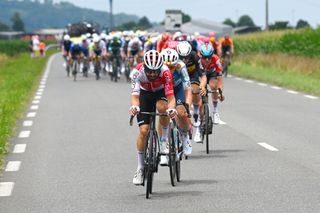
298, 42
13, 47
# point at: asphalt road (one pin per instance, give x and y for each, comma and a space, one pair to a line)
80, 153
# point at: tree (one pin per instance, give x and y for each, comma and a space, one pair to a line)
185, 18
144, 23
229, 22
17, 23
302, 24
4, 27
279, 25
245, 20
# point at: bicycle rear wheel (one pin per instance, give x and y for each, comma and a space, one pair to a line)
151, 160
172, 156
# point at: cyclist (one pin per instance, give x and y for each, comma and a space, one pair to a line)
198, 80
163, 41
85, 44
115, 50
182, 93
226, 46
66, 49
135, 48
210, 63
75, 54
98, 50
152, 89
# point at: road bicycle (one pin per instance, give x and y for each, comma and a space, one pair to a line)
151, 151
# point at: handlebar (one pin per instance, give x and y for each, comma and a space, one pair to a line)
147, 113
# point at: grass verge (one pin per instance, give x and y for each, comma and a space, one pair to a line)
292, 72
19, 78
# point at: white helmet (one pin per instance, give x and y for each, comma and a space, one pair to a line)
170, 56
184, 48
96, 39
103, 36
66, 37
83, 37
153, 60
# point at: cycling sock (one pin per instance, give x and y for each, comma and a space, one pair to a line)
215, 106
165, 132
195, 109
140, 160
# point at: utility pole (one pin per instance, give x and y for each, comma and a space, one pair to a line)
267, 15
111, 15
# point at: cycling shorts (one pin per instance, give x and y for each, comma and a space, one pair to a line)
213, 74
179, 94
134, 52
148, 101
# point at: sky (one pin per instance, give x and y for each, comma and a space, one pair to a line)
215, 10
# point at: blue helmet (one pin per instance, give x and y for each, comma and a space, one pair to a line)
206, 50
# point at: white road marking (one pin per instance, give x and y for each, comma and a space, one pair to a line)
311, 97
34, 107
31, 114
231, 76
262, 84
24, 134
39, 93
6, 189
27, 123
37, 97
249, 81
237, 78
19, 148
13, 166
269, 147
40, 90
222, 122
276, 88
42, 86
36, 101
292, 92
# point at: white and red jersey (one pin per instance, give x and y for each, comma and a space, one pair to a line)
141, 82
213, 65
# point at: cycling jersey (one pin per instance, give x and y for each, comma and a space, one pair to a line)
75, 49
97, 48
67, 45
115, 46
180, 75
213, 67
193, 65
141, 82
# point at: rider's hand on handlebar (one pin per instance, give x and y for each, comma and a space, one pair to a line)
172, 113
134, 110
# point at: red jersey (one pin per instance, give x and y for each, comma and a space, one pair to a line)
214, 65
140, 81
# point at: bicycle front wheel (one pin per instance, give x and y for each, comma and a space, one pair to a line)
206, 126
172, 157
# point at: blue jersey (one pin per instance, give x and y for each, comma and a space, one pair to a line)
181, 76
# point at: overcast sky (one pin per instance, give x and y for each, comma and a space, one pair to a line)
215, 10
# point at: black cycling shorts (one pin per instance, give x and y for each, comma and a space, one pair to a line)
148, 101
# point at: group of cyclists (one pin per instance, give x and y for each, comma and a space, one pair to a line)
171, 79
168, 72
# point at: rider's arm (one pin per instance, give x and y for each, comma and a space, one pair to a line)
186, 84
218, 68
168, 89
203, 77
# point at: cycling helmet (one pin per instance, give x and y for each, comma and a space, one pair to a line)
164, 36
83, 37
96, 39
170, 56
184, 48
153, 60
206, 50
66, 37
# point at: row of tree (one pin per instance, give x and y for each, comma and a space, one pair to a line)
17, 24
246, 20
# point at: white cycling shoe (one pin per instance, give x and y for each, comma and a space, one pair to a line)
197, 136
187, 147
216, 118
138, 177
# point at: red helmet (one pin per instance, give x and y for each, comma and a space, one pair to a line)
164, 36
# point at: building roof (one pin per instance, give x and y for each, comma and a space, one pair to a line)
49, 31
202, 26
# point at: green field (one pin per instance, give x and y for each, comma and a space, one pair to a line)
19, 77
284, 58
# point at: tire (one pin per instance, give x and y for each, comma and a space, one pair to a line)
151, 159
172, 157
206, 126
74, 70
178, 159
115, 70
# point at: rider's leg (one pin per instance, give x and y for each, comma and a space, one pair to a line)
215, 98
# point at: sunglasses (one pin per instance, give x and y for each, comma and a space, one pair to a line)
148, 71
207, 57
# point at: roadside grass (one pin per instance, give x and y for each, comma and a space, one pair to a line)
19, 77
292, 72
